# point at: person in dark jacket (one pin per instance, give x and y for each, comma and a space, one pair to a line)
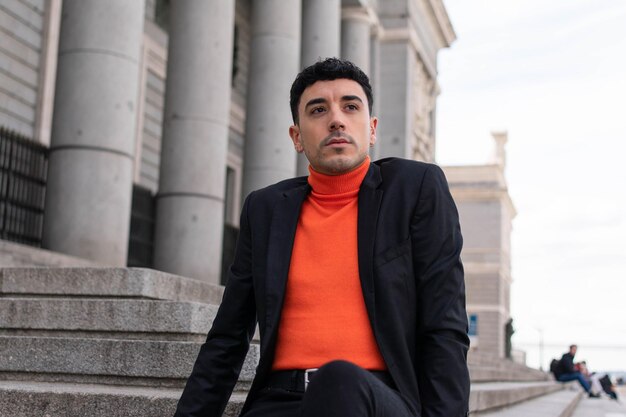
566, 371
354, 270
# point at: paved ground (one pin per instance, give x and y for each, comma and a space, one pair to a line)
602, 407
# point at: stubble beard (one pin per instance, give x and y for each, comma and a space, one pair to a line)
338, 164
330, 161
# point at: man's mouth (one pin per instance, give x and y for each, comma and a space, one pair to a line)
337, 141
338, 138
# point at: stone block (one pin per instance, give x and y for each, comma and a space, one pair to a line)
106, 315
109, 282
488, 396
27, 399
482, 373
129, 359
558, 404
14, 255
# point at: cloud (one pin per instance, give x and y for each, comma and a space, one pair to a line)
552, 74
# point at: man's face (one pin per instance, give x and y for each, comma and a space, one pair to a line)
573, 350
334, 129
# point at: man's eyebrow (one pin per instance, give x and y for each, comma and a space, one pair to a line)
351, 98
321, 100
314, 101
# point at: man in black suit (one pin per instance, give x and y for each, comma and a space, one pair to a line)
395, 346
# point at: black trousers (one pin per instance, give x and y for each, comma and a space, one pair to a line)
338, 389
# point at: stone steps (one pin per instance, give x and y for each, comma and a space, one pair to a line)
113, 326
122, 341
484, 368
106, 282
131, 362
558, 404
27, 398
97, 315
483, 373
493, 395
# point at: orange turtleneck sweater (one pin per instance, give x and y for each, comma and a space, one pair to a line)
324, 316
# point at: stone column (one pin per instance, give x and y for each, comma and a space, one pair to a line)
274, 62
396, 99
321, 31
374, 75
88, 196
190, 201
355, 37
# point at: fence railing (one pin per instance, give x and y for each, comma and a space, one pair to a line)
23, 178
23, 171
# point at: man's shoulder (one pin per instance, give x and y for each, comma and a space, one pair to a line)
399, 171
401, 165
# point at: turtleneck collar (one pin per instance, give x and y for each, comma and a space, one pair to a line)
338, 184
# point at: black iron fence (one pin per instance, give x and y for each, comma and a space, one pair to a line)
23, 177
23, 170
142, 218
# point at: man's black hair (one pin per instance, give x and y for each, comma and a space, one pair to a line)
328, 70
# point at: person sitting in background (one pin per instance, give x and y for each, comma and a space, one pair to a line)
600, 382
566, 371
592, 378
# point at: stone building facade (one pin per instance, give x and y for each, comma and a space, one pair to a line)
205, 128
486, 212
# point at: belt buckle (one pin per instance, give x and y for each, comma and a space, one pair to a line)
307, 374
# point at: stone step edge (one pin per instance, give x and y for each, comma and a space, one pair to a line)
58, 355
102, 281
67, 393
491, 396
569, 411
485, 374
26, 399
106, 315
108, 357
564, 402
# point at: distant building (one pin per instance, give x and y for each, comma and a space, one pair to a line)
486, 213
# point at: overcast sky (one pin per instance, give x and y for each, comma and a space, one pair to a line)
552, 73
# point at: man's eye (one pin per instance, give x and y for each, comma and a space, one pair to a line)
352, 107
317, 110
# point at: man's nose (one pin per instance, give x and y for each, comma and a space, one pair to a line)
336, 121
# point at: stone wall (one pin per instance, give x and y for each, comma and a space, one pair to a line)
22, 25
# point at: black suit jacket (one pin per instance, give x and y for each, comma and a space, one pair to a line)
409, 245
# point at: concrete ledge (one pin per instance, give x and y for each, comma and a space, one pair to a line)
121, 358
27, 399
98, 315
22, 399
558, 404
489, 396
14, 255
482, 373
107, 282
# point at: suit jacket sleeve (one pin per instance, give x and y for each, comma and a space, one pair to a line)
442, 340
221, 357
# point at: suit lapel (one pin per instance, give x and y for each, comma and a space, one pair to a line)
280, 245
370, 198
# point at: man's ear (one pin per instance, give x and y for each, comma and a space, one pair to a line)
373, 125
294, 133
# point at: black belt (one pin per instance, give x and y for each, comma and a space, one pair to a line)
298, 379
